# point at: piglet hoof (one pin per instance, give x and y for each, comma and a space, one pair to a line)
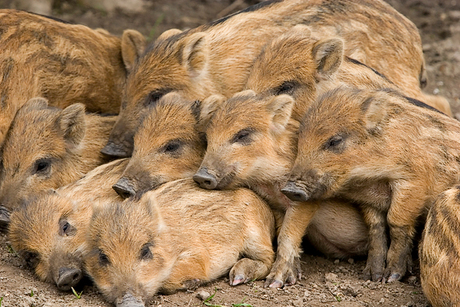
275, 284
237, 279
394, 277
369, 274
246, 270
377, 277
397, 270
283, 275
291, 280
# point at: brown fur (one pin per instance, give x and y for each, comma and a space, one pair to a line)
216, 58
391, 156
172, 119
439, 251
167, 146
304, 66
47, 147
252, 143
65, 63
50, 229
176, 236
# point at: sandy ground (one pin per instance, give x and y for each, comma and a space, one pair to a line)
325, 282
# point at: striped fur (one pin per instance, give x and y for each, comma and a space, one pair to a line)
252, 142
47, 147
217, 58
439, 251
377, 148
305, 65
65, 63
36, 227
176, 237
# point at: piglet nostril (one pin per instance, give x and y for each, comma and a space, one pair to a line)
68, 278
294, 193
115, 150
124, 188
205, 179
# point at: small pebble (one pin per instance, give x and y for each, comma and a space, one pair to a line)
203, 295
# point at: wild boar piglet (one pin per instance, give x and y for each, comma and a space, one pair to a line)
211, 59
176, 237
167, 146
65, 63
391, 154
305, 65
252, 142
49, 229
47, 147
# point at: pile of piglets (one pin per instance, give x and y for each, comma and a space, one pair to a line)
216, 150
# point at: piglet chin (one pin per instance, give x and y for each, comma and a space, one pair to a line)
129, 300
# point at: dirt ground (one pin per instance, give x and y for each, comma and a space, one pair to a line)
325, 282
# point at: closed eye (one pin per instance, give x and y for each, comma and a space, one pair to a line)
287, 87
103, 259
243, 136
335, 143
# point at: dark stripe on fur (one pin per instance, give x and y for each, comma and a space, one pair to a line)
252, 8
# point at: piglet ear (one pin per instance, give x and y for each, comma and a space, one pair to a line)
245, 94
73, 123
168, 33
281, 109
132, 47
154, 211
173, 97
375, 112
195, 53
328, 55
208, 108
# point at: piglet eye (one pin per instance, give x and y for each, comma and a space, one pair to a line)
103, 259
66, 229
242, 136
42, 166
334, 143
146, 253
172, 146
156, 95
287, 87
